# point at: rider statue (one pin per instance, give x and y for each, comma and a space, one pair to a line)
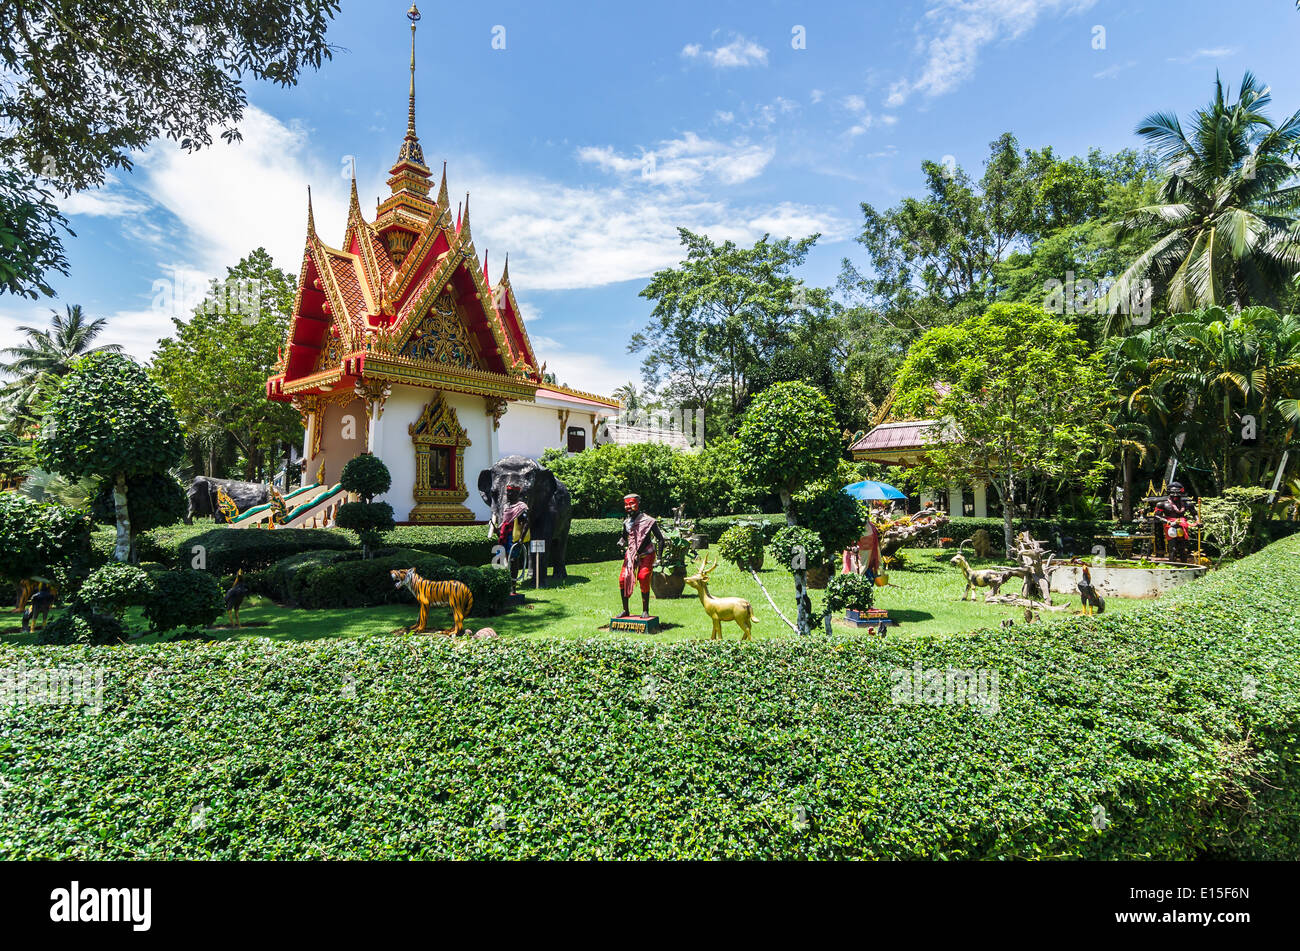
640, 535
1174, 513
514, 528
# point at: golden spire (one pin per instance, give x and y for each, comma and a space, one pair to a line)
411, 151
464, 221
505, 271
311, 218
442, 189
354, 202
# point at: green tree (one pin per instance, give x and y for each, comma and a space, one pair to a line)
36, 538
719, 316
88, 84
1016, 394
155, 499
110, 420
787, 439
216, 364
1224, 230
46, 356
366, 476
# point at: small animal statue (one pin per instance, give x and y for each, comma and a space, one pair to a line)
991, 578
235, 597
451, 593
1008, 623
981, 544
721, 609
1089, 595
38, 605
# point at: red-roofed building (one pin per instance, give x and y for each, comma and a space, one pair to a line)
903, 443
400, 345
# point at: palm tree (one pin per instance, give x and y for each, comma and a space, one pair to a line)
47, 355
1225, 231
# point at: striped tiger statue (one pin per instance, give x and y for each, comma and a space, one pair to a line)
451, 593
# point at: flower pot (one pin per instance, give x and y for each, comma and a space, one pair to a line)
668, 585
817, 576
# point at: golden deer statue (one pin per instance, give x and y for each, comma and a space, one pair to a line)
721, 609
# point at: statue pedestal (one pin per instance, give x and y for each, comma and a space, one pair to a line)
635, 624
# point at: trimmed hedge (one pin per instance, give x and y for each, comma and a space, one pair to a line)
367, 583
1176, 726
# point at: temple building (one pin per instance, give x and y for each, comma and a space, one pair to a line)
400, 345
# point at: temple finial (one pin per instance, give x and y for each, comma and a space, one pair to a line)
486, 279
311, 218
442, 189
464, 221
354, 202
411, 151
505, 271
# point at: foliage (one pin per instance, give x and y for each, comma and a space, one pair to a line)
836, 517
1116, 711
791, 539
848, 590
216, 364
1015, 394
366, 475
346, 584
109, 418
1229, 521
370, 520
225, 551
742, 545
282, 581
787, 439
675, 550
37, 537
45, 357
184, 598
114, 587
82, 627
154, 500
86, 87
719, 316
1223, 230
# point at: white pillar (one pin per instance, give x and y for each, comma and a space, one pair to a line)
981, 500
954, 501
307, 460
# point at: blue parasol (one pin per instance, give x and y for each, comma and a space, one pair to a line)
874, 490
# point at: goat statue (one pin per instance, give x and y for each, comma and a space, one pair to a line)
721, 609
991, 578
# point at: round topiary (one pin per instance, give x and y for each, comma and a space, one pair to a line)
848, 590
184, 597
838, 519
742, 546
366, 475
788, 438
793, 538
81, 627
113, 588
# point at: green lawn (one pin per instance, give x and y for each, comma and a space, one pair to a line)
924, 597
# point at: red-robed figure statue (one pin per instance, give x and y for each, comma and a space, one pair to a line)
641, 536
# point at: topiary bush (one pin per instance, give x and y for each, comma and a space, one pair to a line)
185, 597
225, 551
282, 581
846, 591
367, 583
39, 538
742, 546
790, 539
82, 627
114, 587
366, 475
837, 518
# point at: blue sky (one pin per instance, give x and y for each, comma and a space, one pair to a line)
600, 128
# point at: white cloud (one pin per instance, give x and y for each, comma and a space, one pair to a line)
816, 96
739, 52
689, 160
958, 30
1215, 52
855, 103
108, 201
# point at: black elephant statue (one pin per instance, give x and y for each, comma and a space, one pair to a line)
203, 495
550, 507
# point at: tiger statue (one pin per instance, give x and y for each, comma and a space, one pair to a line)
451, 593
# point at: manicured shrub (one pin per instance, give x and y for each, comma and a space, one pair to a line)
223, 551
846, 591
114, 587
81, 627
370, 520
742, 545
787, 541
184, 597
837, 518
282, 581
367, 583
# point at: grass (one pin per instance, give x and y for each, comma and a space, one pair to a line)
924, 597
